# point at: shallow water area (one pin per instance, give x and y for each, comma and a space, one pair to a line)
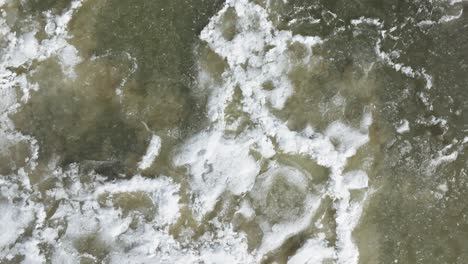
236, 131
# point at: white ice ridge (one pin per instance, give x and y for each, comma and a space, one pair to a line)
151, 153
258, 53
314, 251
403, 127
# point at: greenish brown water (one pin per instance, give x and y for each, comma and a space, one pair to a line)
223, 185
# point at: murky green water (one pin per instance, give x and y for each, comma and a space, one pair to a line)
224, 132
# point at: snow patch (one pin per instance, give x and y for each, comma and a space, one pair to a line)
403, 127
314, 251
151, 153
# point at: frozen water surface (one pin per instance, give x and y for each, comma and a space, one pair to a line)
236, 131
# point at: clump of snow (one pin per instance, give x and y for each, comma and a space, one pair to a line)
315, 250
219, 164
403, 127
356, 180
162, 190
448, 18
13, 223
26, 49
151, 153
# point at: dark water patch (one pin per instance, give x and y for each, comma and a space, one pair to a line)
161, 36
415, 214
418, 208
92, 249
336, 85
85, 120
82, 27
38, 6
80, 120
14, 157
